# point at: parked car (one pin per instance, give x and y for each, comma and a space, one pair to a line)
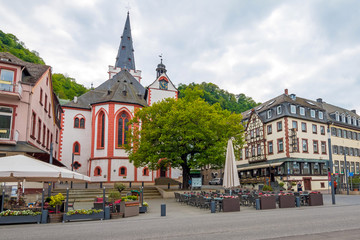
215, 181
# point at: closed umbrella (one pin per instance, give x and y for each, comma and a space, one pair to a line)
231, 177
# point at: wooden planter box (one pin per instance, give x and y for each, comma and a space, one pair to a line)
55, 217
94, 216
130, 208
267, 202
315, 199
20, 219
286, 201
231, 204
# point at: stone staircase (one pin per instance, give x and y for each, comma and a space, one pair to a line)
88, 195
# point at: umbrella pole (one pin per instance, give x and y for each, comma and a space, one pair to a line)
2, 200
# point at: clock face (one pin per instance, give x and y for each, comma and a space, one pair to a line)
163, 84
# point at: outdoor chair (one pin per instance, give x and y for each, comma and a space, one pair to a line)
177, 196
204, 203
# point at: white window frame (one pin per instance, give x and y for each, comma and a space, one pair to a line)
337, 116
321, 115
268, 114
312, 113
278, 110
302, 111
4, 82
293, 109
11, 120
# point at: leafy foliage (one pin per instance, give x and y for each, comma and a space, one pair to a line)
18, 213
83, 211
66, 87
56, 200
10, 43
187, 133
213, 94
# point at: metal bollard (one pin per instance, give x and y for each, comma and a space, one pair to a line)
213, 207
297, 200
163, 210
168, 185
129, 184
86, 185
142, 184
257, 204
101, 185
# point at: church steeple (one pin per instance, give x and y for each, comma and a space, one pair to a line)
125, 57
160, 68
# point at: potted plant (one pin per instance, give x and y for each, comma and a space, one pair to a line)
143, 208
79, 214
115, 199
315, 199
55, 202
267, 201
129, 205
286, 200
231, 204
26, 216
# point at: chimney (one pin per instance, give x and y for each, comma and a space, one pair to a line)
319, 100
354, 111
286, 91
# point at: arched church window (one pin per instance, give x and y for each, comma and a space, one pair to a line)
97, 171
122, 128
82, 123
76, 148
101, 130
76, 122
145, 171
122, 171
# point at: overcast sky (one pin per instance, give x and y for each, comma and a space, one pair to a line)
254, 47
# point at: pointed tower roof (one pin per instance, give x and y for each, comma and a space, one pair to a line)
125, 57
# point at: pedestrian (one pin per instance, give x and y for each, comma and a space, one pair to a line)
299, 187
335, 186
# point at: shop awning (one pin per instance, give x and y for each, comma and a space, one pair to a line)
264, 165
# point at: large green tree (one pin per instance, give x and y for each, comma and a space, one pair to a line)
213, 94
187, 133
66, 87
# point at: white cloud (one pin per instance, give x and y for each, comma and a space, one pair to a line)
252, 47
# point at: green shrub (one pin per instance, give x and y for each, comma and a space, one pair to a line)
113, 196
267, 188
281, 184
119, 186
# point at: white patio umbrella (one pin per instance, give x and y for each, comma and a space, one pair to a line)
19, 167
231, 177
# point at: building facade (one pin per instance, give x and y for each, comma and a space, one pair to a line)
94, 125
287, 141
29, 110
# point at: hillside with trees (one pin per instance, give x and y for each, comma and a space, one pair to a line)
213, 94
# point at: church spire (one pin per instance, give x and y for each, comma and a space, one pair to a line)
125, 57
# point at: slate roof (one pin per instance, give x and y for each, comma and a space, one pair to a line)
125, 57
33, 71
122, 88
283, 98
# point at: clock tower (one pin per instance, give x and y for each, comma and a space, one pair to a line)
162, 87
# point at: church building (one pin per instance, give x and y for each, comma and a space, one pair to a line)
94, 125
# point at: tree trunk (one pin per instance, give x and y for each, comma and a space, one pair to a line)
186, 176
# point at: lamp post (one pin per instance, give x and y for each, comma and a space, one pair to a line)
331, 166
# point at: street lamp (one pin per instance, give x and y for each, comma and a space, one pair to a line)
331, 165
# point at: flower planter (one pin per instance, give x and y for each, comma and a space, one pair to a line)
55, 217
267, 202
129, 208
315, 199
143, 209
94, 216
286, 201
231, 204
20, 219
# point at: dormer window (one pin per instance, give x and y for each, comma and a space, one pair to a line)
337, 116
302, 111
269, 115
278, 110
293, 109
312, 113
343, 118
321, 115
349, 119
